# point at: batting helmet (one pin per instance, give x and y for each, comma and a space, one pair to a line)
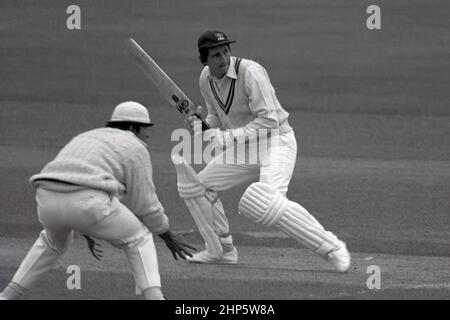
210, 39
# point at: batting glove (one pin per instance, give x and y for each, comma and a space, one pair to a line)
191, 121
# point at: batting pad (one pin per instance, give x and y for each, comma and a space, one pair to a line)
193, 193
268, 206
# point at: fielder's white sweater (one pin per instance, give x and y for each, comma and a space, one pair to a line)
114, 161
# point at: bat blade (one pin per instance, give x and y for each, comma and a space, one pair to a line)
168, 89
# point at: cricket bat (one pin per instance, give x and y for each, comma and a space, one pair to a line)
167, 88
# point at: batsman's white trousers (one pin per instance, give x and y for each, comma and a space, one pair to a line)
275, 168
96, 214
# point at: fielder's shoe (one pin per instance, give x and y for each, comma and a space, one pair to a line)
230, 257
340, 258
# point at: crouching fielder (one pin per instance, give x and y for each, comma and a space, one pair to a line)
82, 190
240, 102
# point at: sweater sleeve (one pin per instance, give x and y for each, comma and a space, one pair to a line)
262, 104
144, 202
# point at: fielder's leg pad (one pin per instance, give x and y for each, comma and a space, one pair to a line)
143, 263
267, 206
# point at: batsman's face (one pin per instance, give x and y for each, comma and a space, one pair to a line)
219, 60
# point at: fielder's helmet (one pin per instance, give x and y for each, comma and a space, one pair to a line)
131, 111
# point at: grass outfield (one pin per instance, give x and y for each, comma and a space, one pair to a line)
369, 108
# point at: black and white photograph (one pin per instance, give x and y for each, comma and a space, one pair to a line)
225, 151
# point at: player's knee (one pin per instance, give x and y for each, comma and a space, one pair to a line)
142, 241
138, 238
191, 190
263, 204
188, 183
208, 180
60, 244
202, 177
133, 247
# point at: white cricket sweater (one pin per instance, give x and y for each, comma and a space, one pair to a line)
244, 101
114, 161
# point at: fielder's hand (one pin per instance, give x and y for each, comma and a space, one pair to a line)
177, 245
94, 247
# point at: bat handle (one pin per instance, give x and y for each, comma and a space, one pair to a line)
205, 126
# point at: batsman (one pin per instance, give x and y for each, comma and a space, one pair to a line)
241, 101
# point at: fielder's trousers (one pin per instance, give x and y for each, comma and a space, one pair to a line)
96, 214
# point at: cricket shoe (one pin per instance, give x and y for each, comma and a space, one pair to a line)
230, 257
340, 258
